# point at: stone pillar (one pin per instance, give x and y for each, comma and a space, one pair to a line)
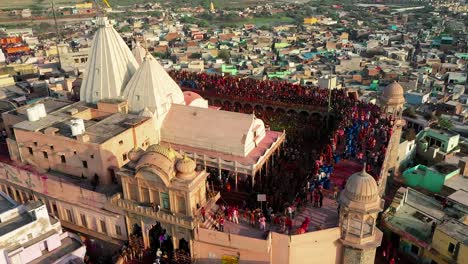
145, 232
253, 179
235, 180
358, 256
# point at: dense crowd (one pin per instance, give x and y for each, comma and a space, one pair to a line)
359, 127
356, 130
251, 89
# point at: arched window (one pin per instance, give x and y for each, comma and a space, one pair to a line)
355, 225
368, 226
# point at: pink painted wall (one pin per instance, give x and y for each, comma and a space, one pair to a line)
314, 247
210, 246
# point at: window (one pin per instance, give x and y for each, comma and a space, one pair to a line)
138, 97
181, 205
124, 156
355, 225
63, 159
451, 248
165, 201
52, 147
83, 221
121, 142
144, 195
414, 249
35, 144
74, 152
103, 227
85, 164
46, 156
70, 216
54, 209
118, 231
92, 156
30, 150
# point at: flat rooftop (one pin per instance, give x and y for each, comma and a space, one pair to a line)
445, 168
61, 113
417, 215
107, 189
460, 196
15, 223
68, 245
456, 230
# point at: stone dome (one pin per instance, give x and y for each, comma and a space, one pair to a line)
134, 154
186, 165
165, 151
393, 94
361, 187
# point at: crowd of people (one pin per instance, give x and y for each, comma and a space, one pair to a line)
354, 120
359, 131
251, 89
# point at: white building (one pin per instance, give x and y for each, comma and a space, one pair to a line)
327, 82
29, 235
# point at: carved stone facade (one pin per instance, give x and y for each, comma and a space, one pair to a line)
161, 187
360, 204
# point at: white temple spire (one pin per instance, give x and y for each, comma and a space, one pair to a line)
110, 65
151, 87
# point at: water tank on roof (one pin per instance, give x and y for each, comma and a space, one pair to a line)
77, 127
41, 110
33, 114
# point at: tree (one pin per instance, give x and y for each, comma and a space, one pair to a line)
445, 123
225, 55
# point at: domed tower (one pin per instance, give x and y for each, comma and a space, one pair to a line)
360, 204
392, 102
392, 99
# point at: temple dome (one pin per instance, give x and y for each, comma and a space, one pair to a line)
139, 53
361, 187
393, 94
110, 65
186, 165
152, 87
165, 151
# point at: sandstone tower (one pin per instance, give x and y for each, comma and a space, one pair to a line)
392, 102
360, 204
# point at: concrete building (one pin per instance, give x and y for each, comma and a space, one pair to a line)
422, 228
434, 145
430, 178
29, 235
327, 82
73, 60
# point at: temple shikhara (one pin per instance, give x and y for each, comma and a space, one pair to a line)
137, 158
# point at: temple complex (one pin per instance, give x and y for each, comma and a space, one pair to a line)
134, 158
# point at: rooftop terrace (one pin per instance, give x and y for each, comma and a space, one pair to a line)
59, 116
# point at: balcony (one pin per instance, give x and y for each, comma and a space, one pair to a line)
161, 215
